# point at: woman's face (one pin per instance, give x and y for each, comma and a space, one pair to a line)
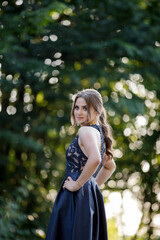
81, 112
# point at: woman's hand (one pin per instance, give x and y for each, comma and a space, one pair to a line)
71, 185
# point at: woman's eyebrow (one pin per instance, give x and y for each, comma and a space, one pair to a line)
81, 106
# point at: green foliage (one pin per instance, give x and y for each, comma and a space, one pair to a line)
113, 233
13, 221
49, 50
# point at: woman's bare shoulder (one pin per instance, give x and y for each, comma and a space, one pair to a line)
87, 130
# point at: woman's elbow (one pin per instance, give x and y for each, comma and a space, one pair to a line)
96, 160
110, 165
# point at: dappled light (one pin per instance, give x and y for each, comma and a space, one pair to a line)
157, 44
118, 153
13, 97
55, 73
145, 166
45, 38
66, 22
19, 2
49, 51
53, 37
53, 80
11, 110
55, 15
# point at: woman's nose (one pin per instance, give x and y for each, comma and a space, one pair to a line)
79, 111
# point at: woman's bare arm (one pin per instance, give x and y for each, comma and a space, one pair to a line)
89, 142
106, 171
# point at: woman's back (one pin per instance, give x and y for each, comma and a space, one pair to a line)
76, 158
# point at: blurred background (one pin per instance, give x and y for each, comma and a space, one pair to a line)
48, 51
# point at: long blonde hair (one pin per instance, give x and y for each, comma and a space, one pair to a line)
93, 98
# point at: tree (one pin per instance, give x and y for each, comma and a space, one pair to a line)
48, 52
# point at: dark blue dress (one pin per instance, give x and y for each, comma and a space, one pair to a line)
78, 215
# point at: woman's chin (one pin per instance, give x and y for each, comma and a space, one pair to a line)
81, 123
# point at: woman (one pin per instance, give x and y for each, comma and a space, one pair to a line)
78, 212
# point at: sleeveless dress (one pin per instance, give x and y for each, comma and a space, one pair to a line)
79, 215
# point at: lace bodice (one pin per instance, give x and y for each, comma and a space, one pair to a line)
76, 159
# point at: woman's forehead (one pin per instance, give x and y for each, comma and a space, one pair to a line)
81, 101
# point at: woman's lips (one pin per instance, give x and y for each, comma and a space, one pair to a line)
79, 118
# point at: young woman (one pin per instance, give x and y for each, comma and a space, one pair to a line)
78, 212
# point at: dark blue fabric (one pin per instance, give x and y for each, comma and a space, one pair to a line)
78, 215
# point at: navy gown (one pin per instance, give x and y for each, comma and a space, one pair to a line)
78, 215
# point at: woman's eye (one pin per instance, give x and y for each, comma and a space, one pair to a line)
76, 107
85, 108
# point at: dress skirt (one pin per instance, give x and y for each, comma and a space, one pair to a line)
78, 215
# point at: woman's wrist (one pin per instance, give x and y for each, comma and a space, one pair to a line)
78, 183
